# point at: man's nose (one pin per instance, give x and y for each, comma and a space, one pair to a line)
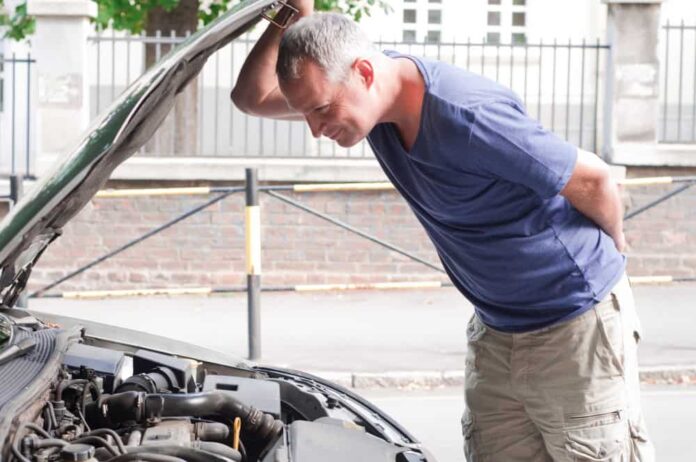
315, 125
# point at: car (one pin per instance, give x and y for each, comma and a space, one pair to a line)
77, 390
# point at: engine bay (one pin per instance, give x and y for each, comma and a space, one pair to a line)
82, 402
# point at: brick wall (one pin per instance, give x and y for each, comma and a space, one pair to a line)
662, 240
208, 248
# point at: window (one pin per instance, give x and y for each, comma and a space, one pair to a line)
410, 16
434, 1
493, 37
434, 16
507, 21
409, 36
409, 1
433, 36
519, 38
519, 18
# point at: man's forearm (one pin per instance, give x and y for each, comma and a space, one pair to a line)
257, 78
601, 202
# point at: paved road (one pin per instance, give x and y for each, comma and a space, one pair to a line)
433, 416
372, 331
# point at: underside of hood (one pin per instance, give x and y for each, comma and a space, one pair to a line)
113, 137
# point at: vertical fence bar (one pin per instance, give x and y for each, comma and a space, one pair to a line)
582, 91
608, 101
497, 61
483, 52
468, 53
541, 56
128, 59
512, 62
253, 262
553, 86
567, 111
28, 127
595, 108
681, 78
666, 82
526, 70
201, 113
172, 114
113, 65
14, 114
246, 118
158, 53
693, 96
98, 86
232, 76
216, 98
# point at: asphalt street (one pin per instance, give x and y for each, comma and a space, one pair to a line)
433, 417
371, 331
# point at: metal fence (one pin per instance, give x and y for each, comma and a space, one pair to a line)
562, 84
678, 82
16, 115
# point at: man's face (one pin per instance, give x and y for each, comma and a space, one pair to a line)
341, 111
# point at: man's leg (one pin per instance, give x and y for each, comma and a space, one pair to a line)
582, 384
495, 424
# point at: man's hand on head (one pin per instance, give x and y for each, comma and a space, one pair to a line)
305, 7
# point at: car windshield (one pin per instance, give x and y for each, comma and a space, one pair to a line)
6, 331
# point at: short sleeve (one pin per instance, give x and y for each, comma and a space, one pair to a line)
506, 143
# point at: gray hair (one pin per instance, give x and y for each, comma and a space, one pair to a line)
331, 40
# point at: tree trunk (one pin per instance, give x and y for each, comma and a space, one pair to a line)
178, 135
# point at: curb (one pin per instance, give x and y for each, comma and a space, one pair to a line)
657, 375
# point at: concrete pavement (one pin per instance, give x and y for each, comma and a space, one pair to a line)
374, 338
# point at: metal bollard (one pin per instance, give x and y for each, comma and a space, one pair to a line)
252, 232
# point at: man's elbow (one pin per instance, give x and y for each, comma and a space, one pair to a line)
241, 100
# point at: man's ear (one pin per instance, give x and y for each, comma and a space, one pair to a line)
365, 71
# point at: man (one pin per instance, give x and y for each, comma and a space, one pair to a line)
528, 227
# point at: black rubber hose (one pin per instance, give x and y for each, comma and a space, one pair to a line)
110, 432
48, 443
212, 431
220, 449
139, 407
97, 441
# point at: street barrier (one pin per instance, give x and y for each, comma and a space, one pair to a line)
253, 243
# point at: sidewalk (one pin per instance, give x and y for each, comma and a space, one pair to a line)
374, 338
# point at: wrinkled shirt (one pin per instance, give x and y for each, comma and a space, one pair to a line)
483, 178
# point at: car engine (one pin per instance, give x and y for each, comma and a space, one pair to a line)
68, 400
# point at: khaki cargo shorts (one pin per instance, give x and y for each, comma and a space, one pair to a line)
568, 392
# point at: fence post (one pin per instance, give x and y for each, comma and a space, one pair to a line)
632, 28
252, 232
62, 78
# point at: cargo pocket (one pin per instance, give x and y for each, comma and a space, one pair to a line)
611, 347
475, 331
641, 448
471, 449
626, 305
597, 437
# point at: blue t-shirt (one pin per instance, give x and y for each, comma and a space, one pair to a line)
484, 178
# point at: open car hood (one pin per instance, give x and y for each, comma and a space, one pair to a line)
112, 138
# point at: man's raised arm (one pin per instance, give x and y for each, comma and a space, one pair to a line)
256, 91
